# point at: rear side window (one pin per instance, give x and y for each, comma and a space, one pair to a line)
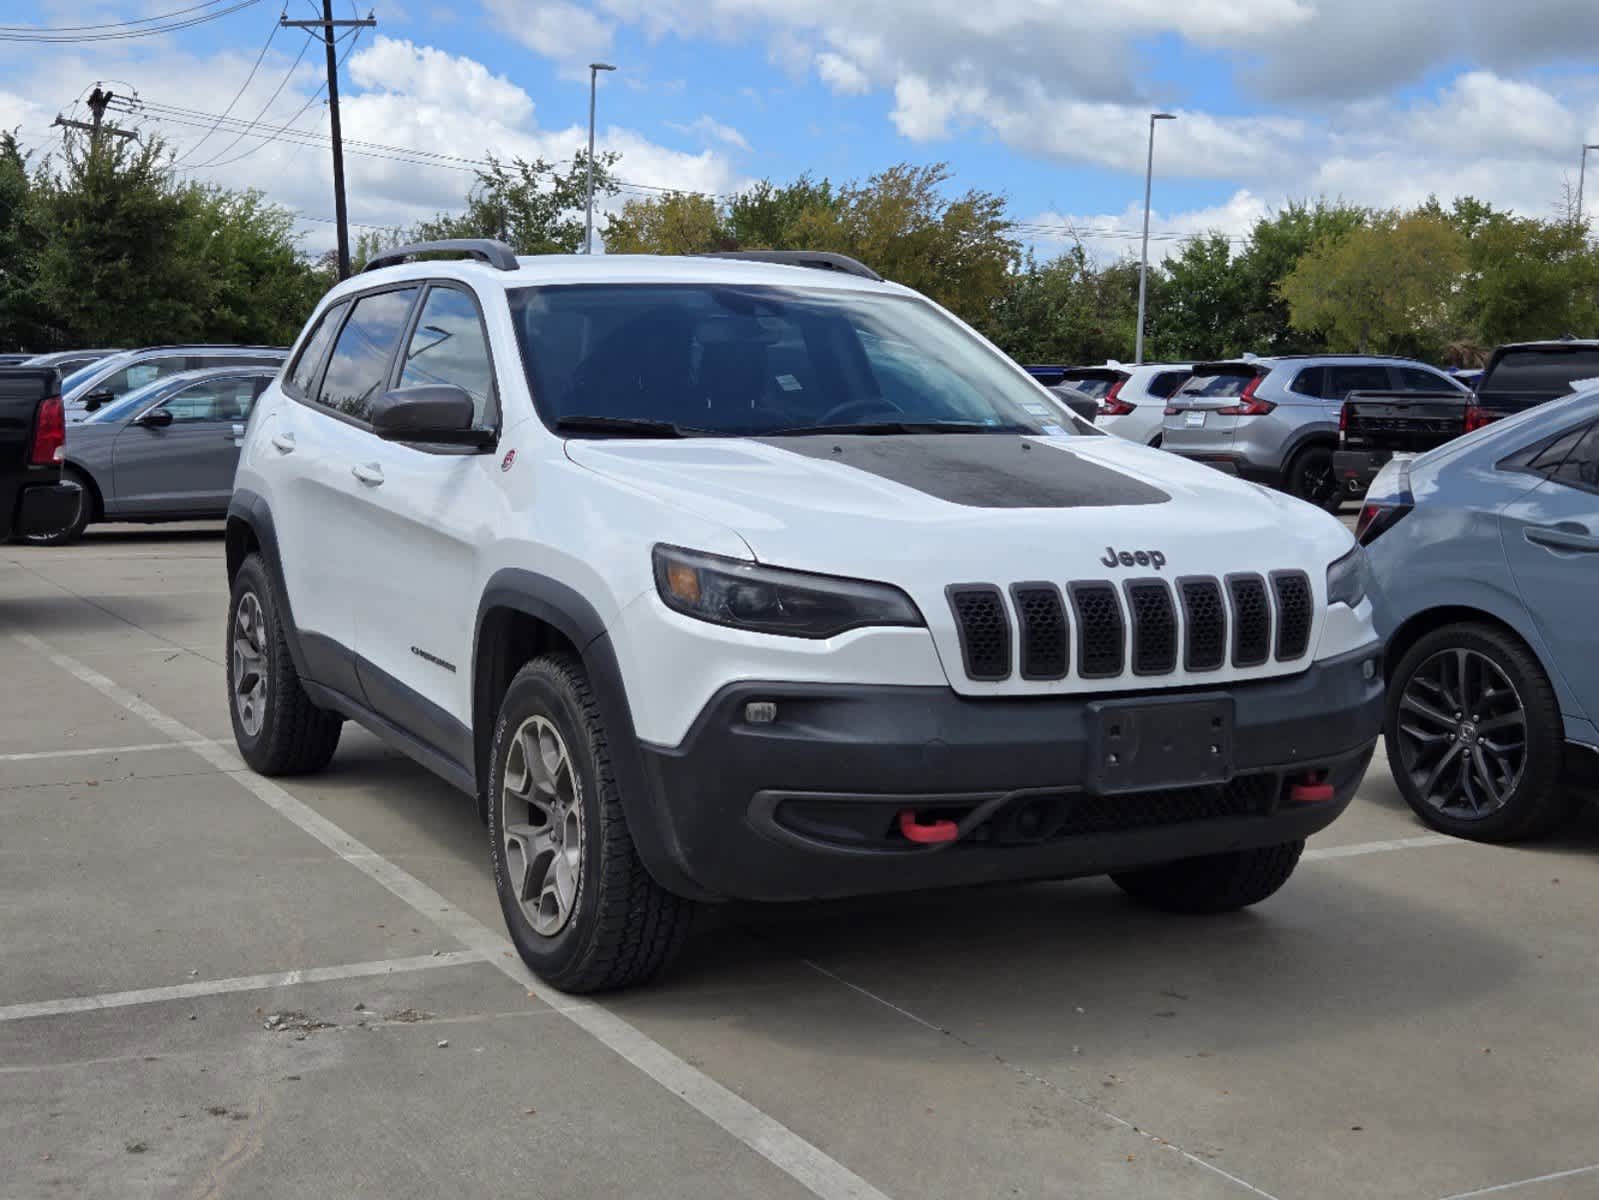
1414, 379
303, 374
1090, 385
1362, 377
1164, 384
213, 400
1535, 375
450, 347
1308, 382
358, 369
1581, 466
138, 374
1222, 385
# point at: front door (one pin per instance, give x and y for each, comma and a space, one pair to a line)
179, 457
1551, 539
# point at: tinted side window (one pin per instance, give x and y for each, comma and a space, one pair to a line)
303, 374
1366, 377
450, 346
213, 400
1414, 379
1538, 374
140, 373
1308, 381
1581, 466
358, 369
1167, 382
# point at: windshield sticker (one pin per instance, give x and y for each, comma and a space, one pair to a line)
788, 383
1053, 430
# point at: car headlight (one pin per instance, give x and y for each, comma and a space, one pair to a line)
745, 595
1346, 578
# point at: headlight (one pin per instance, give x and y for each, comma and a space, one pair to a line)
1346, 578
744, 595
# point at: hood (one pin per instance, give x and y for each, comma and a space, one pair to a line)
928, 513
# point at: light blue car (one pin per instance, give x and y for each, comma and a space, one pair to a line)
1487, 554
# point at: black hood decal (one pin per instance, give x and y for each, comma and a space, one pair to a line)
980, 470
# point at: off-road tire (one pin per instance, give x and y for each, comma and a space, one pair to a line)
1540, 802
624, 928
296, 737
1215, 883
73, 530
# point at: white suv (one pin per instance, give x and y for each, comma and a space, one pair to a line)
1132, 399
716, 578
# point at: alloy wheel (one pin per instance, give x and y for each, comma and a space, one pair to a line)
542, 824
1462, 734
249, 664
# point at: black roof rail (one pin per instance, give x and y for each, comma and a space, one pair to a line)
823, 260
490, 250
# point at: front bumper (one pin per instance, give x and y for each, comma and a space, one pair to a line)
46, 508
805, 806
1355, 469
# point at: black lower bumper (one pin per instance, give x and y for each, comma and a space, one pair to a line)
1232, 464
806, 806
47, 508
1355, 469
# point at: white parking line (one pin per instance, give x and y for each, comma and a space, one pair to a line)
239, 983
768, 1137
95, 751
1322, 853
1521, 1183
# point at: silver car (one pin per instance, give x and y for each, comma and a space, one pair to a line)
110, 378
1275, 420
164, 452
1485, 552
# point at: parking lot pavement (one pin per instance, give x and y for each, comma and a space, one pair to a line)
216, 984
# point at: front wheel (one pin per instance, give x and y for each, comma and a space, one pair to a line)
1474, 735
1214, 883
1310, 477
583, 911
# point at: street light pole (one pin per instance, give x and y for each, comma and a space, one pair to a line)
1143, 258
588, 223
1581, 173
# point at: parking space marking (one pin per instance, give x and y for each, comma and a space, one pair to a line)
1521, 1183
808, 1165
239, 983
95, 751
1322, 853
1045, 1081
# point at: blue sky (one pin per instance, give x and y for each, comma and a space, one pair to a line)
1377, 101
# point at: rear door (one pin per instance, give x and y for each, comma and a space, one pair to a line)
186, 466
1551, 539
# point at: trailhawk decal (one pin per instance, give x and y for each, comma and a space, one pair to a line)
979, 470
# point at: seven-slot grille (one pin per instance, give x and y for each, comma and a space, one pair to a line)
1144, 627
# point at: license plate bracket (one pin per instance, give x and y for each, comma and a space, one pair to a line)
1141, 745
1194, 420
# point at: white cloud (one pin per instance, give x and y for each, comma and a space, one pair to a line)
841, 74
710, 129
1108, 237
569, 33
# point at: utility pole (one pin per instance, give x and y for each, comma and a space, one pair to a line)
588, 221
327, 25
99, 101
1582, 175
1143, 255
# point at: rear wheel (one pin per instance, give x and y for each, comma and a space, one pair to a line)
1214, 883
1310, 477
1475, 737
73, 529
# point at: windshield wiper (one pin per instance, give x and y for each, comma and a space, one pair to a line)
892, 427
625, 426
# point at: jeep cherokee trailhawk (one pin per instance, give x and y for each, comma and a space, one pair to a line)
754, 576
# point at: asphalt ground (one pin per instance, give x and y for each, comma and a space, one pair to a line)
213, 984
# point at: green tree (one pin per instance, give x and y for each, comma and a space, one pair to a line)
767, 215
19, 243
256, 286
1204, 309
1067, 310
1262, 321
1388, 286
674, 223
534, 206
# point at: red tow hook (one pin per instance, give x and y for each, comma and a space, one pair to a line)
931, 833
1312, 788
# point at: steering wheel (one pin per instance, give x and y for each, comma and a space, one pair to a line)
864, 405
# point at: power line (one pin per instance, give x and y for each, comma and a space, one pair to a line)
44, 35
272, 32
272, 99
108, 24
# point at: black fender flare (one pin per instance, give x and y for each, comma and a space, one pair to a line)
251, 510
569, 612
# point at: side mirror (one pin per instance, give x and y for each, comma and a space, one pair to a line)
439, 413
156, 418
96, 400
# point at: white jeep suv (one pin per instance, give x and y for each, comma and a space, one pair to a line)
736, 577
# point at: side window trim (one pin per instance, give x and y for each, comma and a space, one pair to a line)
350, 301
293, 360
397, 367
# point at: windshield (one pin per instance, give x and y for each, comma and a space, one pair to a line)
738, 360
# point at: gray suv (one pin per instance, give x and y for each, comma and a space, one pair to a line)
1275, 420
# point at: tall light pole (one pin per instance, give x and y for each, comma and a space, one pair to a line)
588, 224
1143, 258
1581, 172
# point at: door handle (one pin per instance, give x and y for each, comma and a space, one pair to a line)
284, 442
235, 433
1569, 536
368, 473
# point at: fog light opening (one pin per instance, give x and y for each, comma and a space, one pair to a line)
760, 712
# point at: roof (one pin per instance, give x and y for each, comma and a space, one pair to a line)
1562, 343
